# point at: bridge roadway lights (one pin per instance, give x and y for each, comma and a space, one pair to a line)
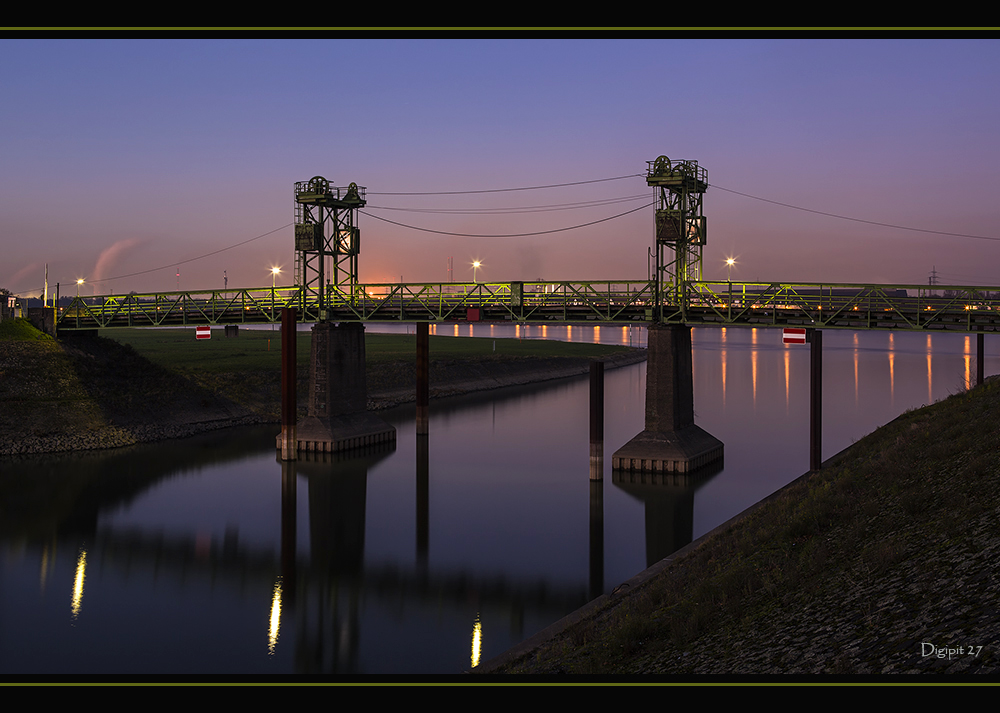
670, 442
337, 418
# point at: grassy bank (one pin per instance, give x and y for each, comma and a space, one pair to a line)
40, 390
858, 569
260, 349
127, 386
247, 368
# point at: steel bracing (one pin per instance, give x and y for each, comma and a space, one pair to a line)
706, 303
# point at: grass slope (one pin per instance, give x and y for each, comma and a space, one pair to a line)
40, 390
260, 350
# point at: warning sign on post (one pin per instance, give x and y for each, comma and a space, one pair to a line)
792, 335
203, 333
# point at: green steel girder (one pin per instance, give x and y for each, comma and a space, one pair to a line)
842, 306
709, 303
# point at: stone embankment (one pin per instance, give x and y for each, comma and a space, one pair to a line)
112, 436
98, 394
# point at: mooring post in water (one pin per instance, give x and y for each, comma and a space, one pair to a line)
289, 407
423, 502
980, 358
596, 538
423, 377
815, 399
596, 420
289, 528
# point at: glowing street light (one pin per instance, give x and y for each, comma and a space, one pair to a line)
274, 274
78, 283
475, 270
729, 268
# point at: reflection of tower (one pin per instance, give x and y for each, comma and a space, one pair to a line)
328, 612
680, 227
669, 506
326, 227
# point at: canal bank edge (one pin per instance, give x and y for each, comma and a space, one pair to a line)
98, 394
883, 562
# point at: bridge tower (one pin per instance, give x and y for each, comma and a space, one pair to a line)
680, 227
326, 226
671, 443
326, 229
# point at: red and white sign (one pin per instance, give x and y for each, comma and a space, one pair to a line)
793, 336
202, 332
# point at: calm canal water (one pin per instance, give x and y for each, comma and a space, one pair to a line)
207, 556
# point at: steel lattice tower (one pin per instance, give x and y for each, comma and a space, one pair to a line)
326, 226
680, 227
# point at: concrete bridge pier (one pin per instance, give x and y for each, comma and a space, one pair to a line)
670, 442
337, 418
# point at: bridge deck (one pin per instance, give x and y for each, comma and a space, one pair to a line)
707, 303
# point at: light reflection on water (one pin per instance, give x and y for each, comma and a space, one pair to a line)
426, 557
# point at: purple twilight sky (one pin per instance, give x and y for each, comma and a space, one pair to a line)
128, 161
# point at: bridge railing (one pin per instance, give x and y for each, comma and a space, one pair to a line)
158, 309
519, 301
857, 306
607, 300
844, 306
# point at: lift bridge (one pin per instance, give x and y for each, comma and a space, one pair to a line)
327, 246
706, 303
670, 301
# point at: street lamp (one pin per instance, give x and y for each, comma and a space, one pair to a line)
475, 270
729, 268
78, 283
274, 274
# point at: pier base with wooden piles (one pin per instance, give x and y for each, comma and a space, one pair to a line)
670, 442
337, 418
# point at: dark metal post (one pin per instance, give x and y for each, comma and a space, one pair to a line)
423, 377
816, 399
980, 358
289, 406
596, 420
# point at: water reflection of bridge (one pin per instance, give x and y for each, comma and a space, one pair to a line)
325, 582
255, 569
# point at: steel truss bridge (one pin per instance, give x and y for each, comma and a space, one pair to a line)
704, 303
